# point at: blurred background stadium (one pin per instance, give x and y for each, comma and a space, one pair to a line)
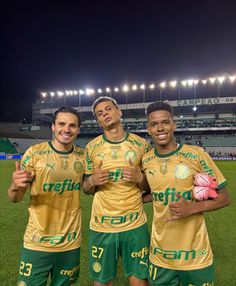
205, 113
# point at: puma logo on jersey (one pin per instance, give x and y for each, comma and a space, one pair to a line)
51, 166
144, 263
152, 172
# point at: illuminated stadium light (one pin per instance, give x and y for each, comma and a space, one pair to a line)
204, 81
195, 108
52, 93
75, 92
125, 88
152, 86
116, 89
173, 83
221, 79
181, 116
67, 92
190, 82
44, 94
212, 80
60, 93
134, 87
142, 86
89, 91
71, 92
99, 90
108, 89
184, 82
195, 81
81, 92
232, 78
163, 84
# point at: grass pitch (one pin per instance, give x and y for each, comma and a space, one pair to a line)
13, 219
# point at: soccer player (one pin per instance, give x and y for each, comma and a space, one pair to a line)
118, 222
53, 172
180, 250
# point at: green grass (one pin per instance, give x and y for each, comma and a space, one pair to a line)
13, 219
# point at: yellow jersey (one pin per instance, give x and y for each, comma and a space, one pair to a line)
54, 210
181, 244
117, 205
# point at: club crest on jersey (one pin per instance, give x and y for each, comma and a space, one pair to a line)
114, 152
64, 164
78, 167
97, 267
181, 171
164, 166
130, 155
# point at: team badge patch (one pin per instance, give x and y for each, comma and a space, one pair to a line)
78, 167
97, 267
64, 164
164, 166
114, 152
181, 171
130, 155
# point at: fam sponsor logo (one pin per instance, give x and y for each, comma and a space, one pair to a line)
117, 219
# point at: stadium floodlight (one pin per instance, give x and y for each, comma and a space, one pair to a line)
89, 91
190, 82
67, 92
204, 81
195, 81
81, 92
212, 80
99, 90
71, 92
134, 87
195, 108
221, 79
181, 116
125, 88
173, 83
75, 92
163, 84
52, 93
116, 89
44, 94
60, 93
184, 82
142, 86
232, 78
108, 89
152, 86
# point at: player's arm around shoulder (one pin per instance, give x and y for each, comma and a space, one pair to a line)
21, 180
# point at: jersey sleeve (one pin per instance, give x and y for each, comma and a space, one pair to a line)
88, 164
27, 162
208, 166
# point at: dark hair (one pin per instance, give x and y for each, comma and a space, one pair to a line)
159, 105
66, 109
102, 99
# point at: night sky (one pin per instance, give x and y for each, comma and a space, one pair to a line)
51, 46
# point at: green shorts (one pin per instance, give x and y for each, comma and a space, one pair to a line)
106, 248
37, 266
159, 276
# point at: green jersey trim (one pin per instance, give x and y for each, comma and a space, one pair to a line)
168, 154
116, 142
60, 152
222, 185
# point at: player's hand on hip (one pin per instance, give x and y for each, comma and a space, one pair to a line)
21, 178
100, 177
179, 209
132, 174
